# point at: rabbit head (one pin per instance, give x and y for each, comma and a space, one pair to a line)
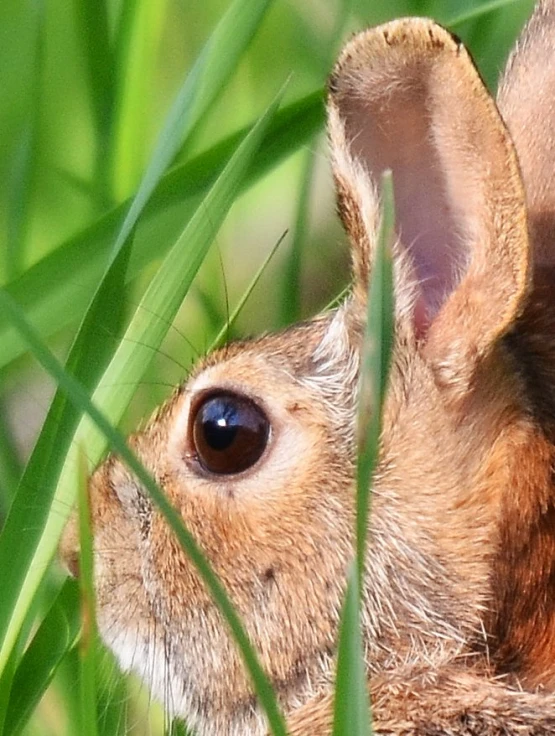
257, 450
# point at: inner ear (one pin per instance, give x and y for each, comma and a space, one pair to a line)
406, 97
394, 129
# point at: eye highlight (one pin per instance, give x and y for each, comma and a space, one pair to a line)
229, 433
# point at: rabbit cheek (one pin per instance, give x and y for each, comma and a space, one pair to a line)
286, 587
201, 666
128, 610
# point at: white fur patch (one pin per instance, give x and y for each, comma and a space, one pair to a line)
148, 659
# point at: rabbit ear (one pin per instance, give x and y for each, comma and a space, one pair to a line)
406, 96
527, 102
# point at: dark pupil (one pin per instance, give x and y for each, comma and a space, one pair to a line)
229, 433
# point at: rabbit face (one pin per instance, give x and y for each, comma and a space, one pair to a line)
287, 586
257, 450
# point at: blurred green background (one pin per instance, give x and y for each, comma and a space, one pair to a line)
79, 118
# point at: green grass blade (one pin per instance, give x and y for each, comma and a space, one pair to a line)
375, 359
93, 32
209, 75
30, 510
94, 35
25, 165
56, 635
52, 302
133, 354
338, 298
351, 709
10, 469
76, 392
351, 705
478, 12
27, 521
291, 299
6, 683
141, 26
223, 334
178, 729
112, 698
87, 643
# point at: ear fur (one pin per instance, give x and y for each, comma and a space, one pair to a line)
406, 96
527, 102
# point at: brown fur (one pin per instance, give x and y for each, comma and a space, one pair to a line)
523, 634
458, 599
444, 703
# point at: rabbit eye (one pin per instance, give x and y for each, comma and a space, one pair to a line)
229, 433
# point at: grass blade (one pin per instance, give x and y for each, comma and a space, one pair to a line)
10, 470
87, 643
56, 635
351, 706
223, 334
77, 394
139, 36
212, 70
25, 165
29, 513
93, 32
351, 709
6, 683
374, 369
291, 299
476, 13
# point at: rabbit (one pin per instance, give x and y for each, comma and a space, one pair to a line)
257, 449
